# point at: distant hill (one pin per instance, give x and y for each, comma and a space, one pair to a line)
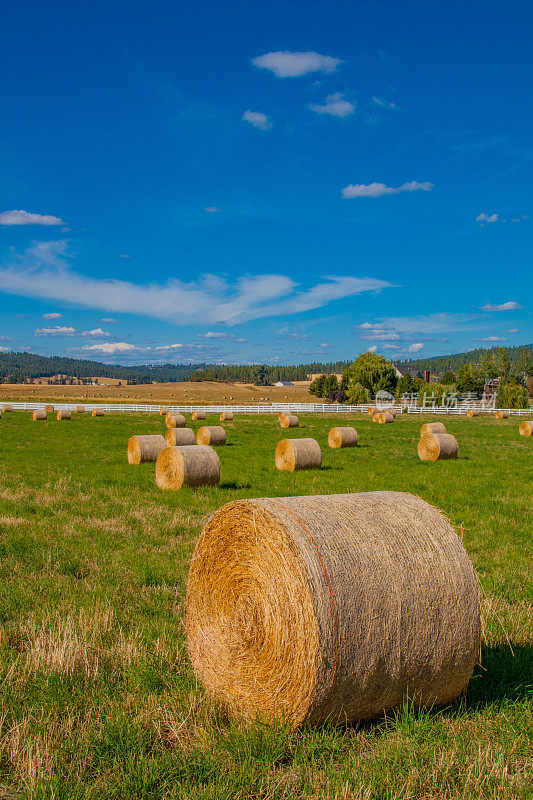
440, 364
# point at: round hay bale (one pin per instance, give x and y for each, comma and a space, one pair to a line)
526, 428
382, 417
145, 448
473, 412
336, 607
191, 465
163, 411
370, 410
432, 427
63, 415
213, 435
177, 437
97, 412
434, 446
226, 415
49, 409
39, 413
296, 454
7, 407
80, 409
175, 420
289, 421
198, 415
502, 414
343, 437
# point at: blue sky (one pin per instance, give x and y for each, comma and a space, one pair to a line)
275, 182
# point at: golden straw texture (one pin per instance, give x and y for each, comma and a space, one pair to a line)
226, 415
192, 465
49, 409
526, 428
177, 437
382, 417
343, 437
211, 434
39, 413
80, 409
63, 415
145, 448
198, 415
473, 412
433, 446
163, 411
97, 412
289, 421
175, 420
433, 427
295, 454
7, 407
502, 414
333, 607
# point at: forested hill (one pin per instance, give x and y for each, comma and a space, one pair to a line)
17, 367
440, 364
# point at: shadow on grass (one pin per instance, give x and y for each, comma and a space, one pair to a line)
504, 674
234, 485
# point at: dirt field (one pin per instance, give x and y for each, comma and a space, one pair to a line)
186, 392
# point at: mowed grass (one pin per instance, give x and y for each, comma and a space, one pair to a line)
98, 699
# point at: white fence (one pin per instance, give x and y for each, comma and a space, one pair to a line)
270, 408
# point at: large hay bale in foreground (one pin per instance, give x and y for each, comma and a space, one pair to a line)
7, 408
175, 420
198, 415
38, 414
177, 437
63, 415
191, 465
296, 454
331, 608
433, 427
97, 412
49, 409
473, 412
145, 448
289, 421
434, 446
343, 437
80, 409
213, 435
526, 428
500, 414
226, 415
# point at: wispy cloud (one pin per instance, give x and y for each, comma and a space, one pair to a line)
258, 120
175, 346
109, 320
53, 315
290, 64
44, 272
487, 217
335, 106
490, 339
382, 103
416, 347
21, 217
510, 305
56, 330
111, 348
380, 189
220, 335
212, 210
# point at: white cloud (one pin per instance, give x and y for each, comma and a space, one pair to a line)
213, 209
95, 332
43, 272
258, 120
288, 64
169, 346
391, 347
490, 339
487, 217
26, 218
372, 348
54, 315
379, 101
213, 335
335, 106
5, 349
416, 347
123, 255
380, 335
109, 320
56, 330
111, 347
380, 189
510, 305
512, 330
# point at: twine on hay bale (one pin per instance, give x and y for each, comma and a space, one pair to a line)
6, 408
289, 421
526, 428
49, 409
433, 427
343, 437
177, 437
63, 415
434, 446
501, 414
192, 465
38, 414
213, 435
335, 607
296, 454
473, 412
226, 415
163, 411
145, 448
80, 409
97, 412
382, 417
175, 420
198, 415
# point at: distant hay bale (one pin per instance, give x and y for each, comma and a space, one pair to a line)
63, 415
7, 407
192, 465
436, 446
526, 428
343, 437
501, 414
198, 415
97, 412
145, 448
432, 427
331, 608
175, 420
382, 417
226, 415
297, 454
163, 411
473, 412
80, 409
213, 435
289, 421
371, 410
39, 413
49, 409
177, 437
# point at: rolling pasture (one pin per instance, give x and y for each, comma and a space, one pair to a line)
98, 699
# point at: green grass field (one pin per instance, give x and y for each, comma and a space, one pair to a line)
98, 699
